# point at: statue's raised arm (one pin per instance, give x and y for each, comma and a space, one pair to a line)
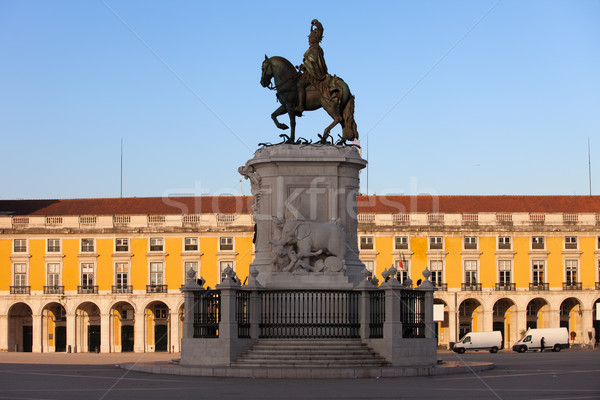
310, 89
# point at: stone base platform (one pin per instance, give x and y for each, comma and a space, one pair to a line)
306, 372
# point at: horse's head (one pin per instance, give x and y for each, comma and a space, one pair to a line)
267, 72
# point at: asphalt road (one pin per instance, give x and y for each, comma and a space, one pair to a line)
550, 376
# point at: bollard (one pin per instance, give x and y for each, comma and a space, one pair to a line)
68, 348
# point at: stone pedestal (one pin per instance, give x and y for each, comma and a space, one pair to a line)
305, 183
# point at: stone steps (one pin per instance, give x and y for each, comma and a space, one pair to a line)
310, 353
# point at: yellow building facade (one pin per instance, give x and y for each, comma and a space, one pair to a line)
104, 274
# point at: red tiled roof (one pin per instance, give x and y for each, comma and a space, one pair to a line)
242, 204
474, 204
129, 206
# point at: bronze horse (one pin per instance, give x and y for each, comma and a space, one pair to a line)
286, 78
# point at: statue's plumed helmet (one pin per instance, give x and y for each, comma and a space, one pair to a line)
316, 30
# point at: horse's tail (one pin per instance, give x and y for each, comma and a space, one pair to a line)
349, 130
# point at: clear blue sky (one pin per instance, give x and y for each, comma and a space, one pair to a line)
452, 97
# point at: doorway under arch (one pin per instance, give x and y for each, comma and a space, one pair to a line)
20, 328
469, 317
504, 320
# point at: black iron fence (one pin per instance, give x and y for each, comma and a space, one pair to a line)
87, 289
207, 313
242, 313
412, 313
122, 289
309, 314
54, 290
376, 313
505, 286
20, 289
538, 286
572, 286
156, 288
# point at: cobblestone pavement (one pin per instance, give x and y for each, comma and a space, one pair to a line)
550, 376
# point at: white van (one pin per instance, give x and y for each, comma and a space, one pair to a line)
554, 338
491, 341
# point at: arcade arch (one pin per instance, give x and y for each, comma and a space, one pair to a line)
87, 327
504, 320
122, 327
158, 326
538, 314
470, 317
570, 316
20, 328
54, 328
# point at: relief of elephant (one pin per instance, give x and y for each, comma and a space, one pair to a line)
310, 237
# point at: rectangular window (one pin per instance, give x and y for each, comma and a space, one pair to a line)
191, 244
20, 277
437, 268
122, 275
571, 269
156, 273
53, 246
193, 265
504, 272
537, 243
87, 245
470, 243
435, 242
53, 274
366, 242
403, 273
122, 244
370, 266
470, 272
538, 269
571, 242
87, 275
226, 243
222, 267
157, 244
401, 243
160, 312
504, 243
20, 246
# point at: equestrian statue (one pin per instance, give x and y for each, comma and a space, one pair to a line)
309, 87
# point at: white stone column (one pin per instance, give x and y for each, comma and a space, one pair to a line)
71, 333
37, 321
452, 324
139, 330
521, 321
173, 331
553, 316
587, 325
4, 332
488, 320
105, 337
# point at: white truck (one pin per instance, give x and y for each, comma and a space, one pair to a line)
553, 338
491, 341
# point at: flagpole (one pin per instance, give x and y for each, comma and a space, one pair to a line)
589, 166
121, 167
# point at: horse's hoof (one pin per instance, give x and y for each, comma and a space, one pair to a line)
283, 126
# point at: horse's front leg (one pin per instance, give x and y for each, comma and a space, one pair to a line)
280, 111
